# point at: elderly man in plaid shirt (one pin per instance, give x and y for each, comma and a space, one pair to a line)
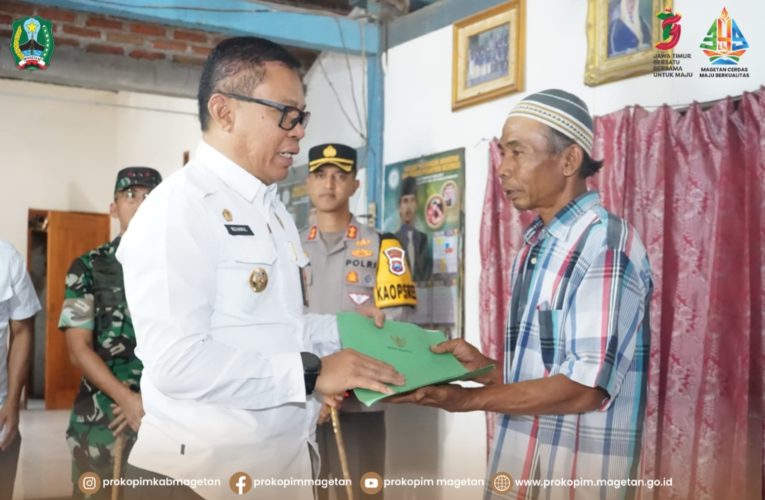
572, 391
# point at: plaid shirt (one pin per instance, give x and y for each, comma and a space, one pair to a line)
579, 307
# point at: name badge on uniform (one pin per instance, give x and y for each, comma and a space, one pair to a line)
239, 230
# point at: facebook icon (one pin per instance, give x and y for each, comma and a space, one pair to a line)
240, 483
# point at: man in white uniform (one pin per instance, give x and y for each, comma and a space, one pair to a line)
212, 264
18, 306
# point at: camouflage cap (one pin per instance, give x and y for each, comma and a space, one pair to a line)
137, 176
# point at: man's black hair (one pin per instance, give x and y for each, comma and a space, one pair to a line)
236, 65
557, 142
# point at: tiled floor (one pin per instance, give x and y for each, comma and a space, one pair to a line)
45, 464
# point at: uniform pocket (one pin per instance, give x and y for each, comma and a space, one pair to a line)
550, 341
246, 276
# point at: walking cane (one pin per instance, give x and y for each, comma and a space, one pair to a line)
341, 452
119, 449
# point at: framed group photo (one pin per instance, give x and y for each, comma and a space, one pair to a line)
621, 38
488, 55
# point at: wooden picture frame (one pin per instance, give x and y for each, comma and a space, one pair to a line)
488, 54
621, 38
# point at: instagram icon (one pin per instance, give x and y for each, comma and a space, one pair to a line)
89, 483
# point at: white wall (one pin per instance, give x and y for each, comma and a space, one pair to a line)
419, 121
61, 147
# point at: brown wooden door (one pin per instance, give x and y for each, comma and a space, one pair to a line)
70, 234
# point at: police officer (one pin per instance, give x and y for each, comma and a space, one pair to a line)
234, 369
351, 266
101, 340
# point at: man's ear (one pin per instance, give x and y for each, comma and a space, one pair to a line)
357, 183
113, 209
221, 112
572, 161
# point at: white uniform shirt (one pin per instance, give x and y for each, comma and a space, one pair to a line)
18, 301
222, 385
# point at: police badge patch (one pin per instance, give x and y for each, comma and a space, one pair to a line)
396, 260
394, 286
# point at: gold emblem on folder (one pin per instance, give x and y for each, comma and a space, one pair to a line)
399, 341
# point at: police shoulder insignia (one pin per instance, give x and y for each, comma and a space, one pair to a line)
362, 252
358, 298
394, 285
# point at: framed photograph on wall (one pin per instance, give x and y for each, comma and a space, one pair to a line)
621, 38
487, 60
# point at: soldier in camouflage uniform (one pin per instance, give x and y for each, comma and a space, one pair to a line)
101, 341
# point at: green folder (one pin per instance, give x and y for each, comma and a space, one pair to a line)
406, 347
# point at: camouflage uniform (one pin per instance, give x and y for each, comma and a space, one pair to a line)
95, 300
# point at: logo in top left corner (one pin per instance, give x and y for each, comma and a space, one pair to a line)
32, 43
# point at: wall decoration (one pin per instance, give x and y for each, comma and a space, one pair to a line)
621, 38
488, 55
423, 206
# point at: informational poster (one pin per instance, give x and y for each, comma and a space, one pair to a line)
292, 192
423, 206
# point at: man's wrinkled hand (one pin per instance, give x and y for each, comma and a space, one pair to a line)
470, 357
449, 397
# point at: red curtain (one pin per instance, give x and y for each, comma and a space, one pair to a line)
693, 184
500, 239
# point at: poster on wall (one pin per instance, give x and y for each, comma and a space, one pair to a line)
292, 192
422, 205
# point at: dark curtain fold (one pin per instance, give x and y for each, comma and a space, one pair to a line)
501, 237
693, 184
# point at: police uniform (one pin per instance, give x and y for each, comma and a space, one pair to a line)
212, 272
94, 299
18, 301
359, 268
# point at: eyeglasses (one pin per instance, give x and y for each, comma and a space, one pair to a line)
291, 115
